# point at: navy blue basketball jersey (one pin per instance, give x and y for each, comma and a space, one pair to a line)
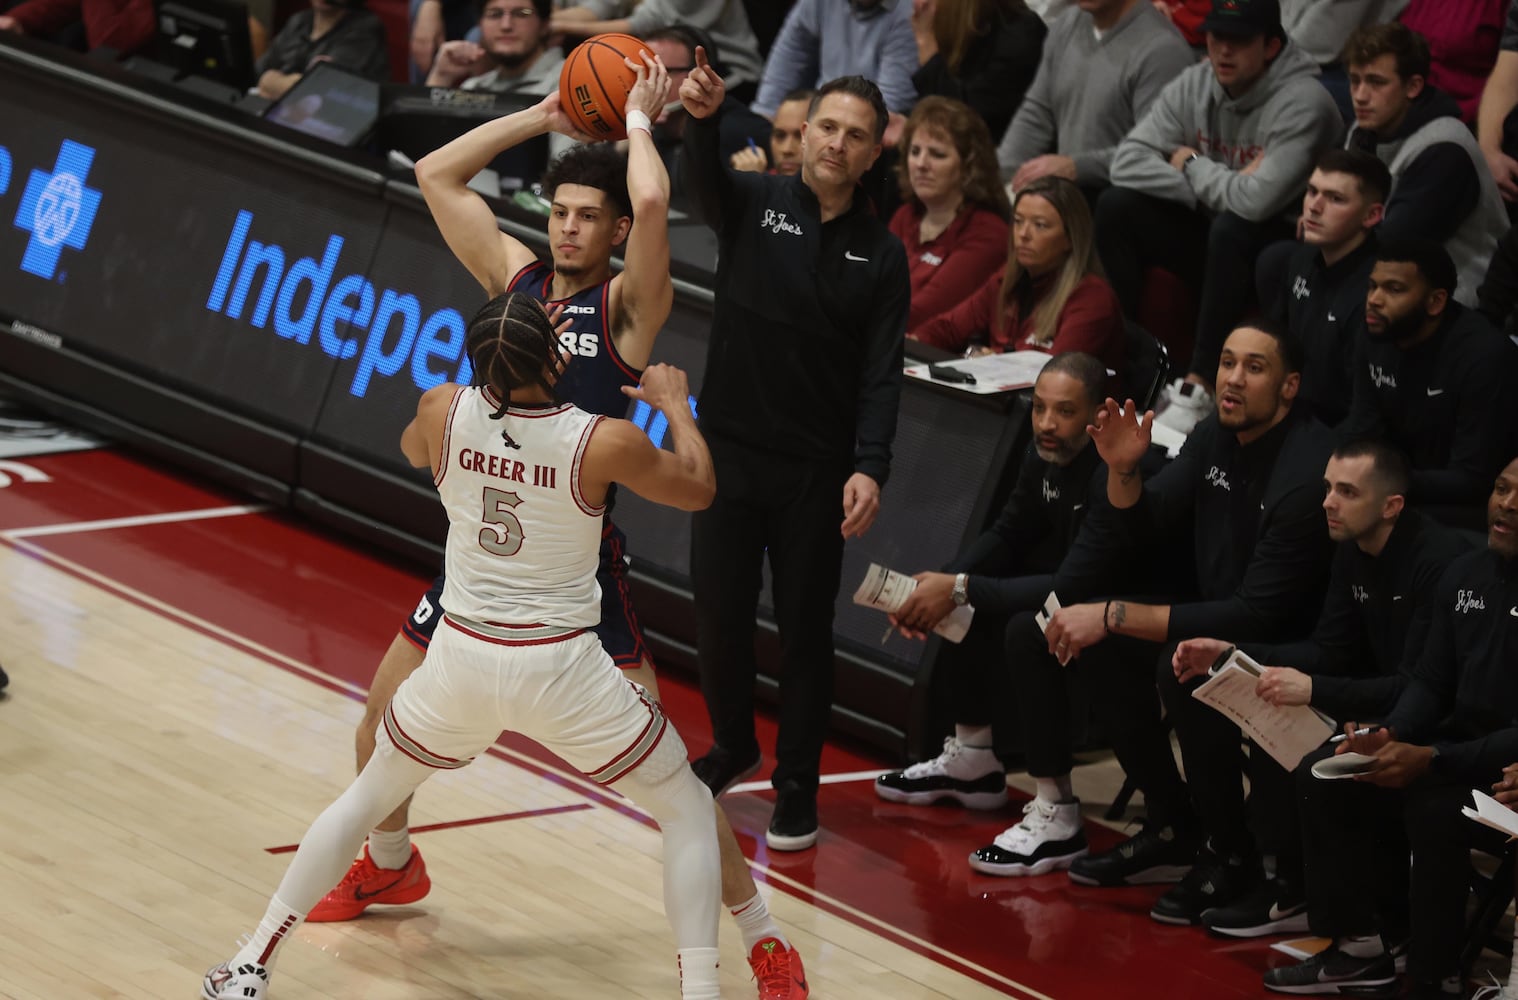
594, 378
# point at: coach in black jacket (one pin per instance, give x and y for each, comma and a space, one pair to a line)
1454, 728
1432, 377
799, 401
1007, 571
1374, 623
1247, 488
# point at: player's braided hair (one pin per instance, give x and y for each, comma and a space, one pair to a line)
512, 345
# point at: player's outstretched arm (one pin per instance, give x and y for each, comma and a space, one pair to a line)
643, 290
620, 452
466, 221
422, 440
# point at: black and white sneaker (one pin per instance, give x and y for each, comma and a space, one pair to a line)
793, 825
1153, 855
1275, 907
971, 776
1332, 972
1049, 838
721, 769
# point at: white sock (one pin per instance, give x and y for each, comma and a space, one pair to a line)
274, 929
390, 848
755, 923
1362, 947
975, 737
1055, 791
698, 973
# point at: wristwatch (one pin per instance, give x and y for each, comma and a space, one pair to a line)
961, 591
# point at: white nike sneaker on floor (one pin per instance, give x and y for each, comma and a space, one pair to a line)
1182, 406
246, 982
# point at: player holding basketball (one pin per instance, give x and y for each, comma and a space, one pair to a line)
525, 480
597, 205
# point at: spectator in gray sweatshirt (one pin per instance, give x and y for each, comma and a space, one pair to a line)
822, 40
724, 20
1206, 179
1103, 64
1441, 187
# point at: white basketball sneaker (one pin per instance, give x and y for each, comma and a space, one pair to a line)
1049, 838
971, 776
246, 982
1183, 405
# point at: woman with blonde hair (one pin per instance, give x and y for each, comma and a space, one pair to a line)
1051, 296
953, 222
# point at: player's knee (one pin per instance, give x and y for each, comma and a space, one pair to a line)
665, 785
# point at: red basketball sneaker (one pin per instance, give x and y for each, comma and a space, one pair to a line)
778, 970
366, 884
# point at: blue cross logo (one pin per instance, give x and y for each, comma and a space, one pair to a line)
58, 209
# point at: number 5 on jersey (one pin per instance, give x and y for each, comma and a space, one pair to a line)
505, 539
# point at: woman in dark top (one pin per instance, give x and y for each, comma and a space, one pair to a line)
982, 52
337, 31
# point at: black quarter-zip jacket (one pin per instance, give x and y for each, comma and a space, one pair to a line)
1375, 620
1444, 402
1254, 517
1011, 565
805, 357
1324, 306
1463, 695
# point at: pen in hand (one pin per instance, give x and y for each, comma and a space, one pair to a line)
1341, 737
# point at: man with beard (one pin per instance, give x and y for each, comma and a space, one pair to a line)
1429, 376
1452, 730
1008, 572
513, 55
1247, 488
1386, 567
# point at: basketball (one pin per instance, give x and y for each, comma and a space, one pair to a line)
594, 83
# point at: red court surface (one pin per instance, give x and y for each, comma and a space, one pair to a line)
326, 609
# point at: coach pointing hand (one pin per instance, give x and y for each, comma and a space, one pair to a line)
799, 403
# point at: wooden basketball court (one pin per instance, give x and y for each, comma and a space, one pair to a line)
186, 671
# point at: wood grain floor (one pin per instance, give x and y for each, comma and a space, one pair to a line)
146, 768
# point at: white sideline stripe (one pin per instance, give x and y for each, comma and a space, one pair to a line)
135, 522
826, 779
768, 875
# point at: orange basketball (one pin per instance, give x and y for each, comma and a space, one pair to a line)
594, 82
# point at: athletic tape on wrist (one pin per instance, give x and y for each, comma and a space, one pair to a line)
638, 119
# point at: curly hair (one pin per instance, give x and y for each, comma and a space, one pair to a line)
595, 165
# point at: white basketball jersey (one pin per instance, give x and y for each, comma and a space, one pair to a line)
523, 545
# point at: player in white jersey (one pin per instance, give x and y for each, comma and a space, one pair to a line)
524, 481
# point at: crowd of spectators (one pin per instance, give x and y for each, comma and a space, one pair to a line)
1324, 189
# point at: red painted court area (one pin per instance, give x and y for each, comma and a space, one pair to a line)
325, 609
